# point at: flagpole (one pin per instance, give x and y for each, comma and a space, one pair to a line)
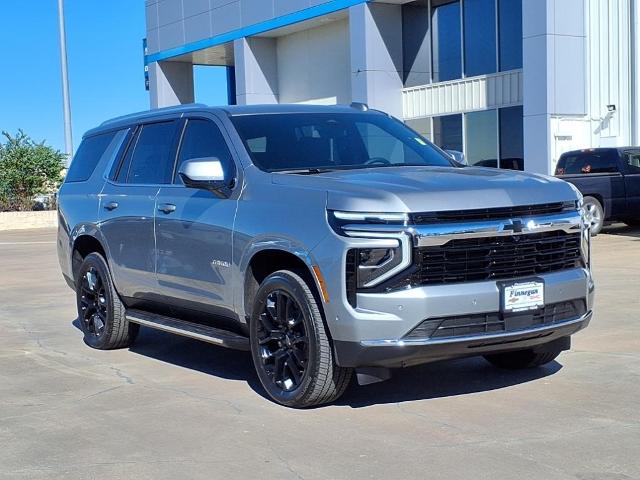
68, 140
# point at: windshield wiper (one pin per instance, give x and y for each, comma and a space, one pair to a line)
304, 171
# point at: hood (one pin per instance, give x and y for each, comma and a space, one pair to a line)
422, 189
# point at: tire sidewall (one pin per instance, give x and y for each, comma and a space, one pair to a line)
595, 230
96, 261
288, 283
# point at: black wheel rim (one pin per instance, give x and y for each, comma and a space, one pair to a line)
93, 302
282, 341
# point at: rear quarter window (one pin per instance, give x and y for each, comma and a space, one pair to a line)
89, 154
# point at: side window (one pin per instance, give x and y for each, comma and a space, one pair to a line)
89, 154
202, 138
148, 159
633, 161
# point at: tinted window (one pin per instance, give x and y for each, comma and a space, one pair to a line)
88, 155
446, 37
510, 34
447, 132
479, 37
384, 147
151, 161
633, 161
511, 138
601, 161
482, 138
202, 138
333, 141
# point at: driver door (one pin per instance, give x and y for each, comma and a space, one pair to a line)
194, 228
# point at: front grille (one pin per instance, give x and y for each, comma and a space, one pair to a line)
426, 218
496, 258
496, 322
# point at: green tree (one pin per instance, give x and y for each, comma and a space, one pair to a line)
27, 169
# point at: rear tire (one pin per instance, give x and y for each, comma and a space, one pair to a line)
100, 311
290, 345
527, 358
594, 213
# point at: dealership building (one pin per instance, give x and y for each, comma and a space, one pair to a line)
500, 80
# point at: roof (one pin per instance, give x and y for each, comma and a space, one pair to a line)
598, 149
232, 110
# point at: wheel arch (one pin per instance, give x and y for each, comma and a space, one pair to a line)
266, 261
83, 245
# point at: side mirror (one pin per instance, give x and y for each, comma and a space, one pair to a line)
457, 156
206, 174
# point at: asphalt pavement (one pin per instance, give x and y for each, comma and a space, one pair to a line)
174, 408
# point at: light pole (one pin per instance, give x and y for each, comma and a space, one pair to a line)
68, 140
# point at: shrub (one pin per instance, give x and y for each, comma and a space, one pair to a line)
27, 169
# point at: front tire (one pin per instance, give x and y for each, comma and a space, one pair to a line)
594, 214
100, 311
290, 345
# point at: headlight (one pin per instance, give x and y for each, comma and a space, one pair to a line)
338, 219
374, 264
384, 249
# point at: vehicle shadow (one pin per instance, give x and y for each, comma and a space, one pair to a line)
621, 229
440, 380
430, 381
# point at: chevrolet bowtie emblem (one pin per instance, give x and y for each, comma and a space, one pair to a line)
516, 226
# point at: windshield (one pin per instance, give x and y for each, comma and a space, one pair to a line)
328, 141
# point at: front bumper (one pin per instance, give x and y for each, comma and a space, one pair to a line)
404, 353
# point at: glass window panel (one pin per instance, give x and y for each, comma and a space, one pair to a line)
510, 34
202, 138
479, 37
447, 132
482, 138
595, 161
511, 138
332, 140
151, 162
87, 157
446, 38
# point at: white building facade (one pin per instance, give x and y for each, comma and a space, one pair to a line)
511, 83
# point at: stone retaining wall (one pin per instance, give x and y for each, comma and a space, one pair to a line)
25, 220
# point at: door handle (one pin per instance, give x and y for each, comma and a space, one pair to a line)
111, 206
167, 208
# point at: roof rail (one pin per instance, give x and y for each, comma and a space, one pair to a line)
155, 111
363, 107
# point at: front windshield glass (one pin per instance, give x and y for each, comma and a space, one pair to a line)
329, 141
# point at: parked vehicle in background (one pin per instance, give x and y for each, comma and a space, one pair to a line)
609, 180
325, 240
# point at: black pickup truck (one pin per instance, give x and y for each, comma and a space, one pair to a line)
609, 179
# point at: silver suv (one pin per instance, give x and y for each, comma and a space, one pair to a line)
325, 240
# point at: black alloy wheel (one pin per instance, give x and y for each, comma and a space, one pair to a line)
93, 302
101, 313
284, 345
290, 343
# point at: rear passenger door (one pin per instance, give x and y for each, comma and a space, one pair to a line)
194, 228
127, 208
631, 159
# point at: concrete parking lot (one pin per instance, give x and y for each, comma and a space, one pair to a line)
174, 408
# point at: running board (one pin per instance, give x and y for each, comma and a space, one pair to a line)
205, 333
